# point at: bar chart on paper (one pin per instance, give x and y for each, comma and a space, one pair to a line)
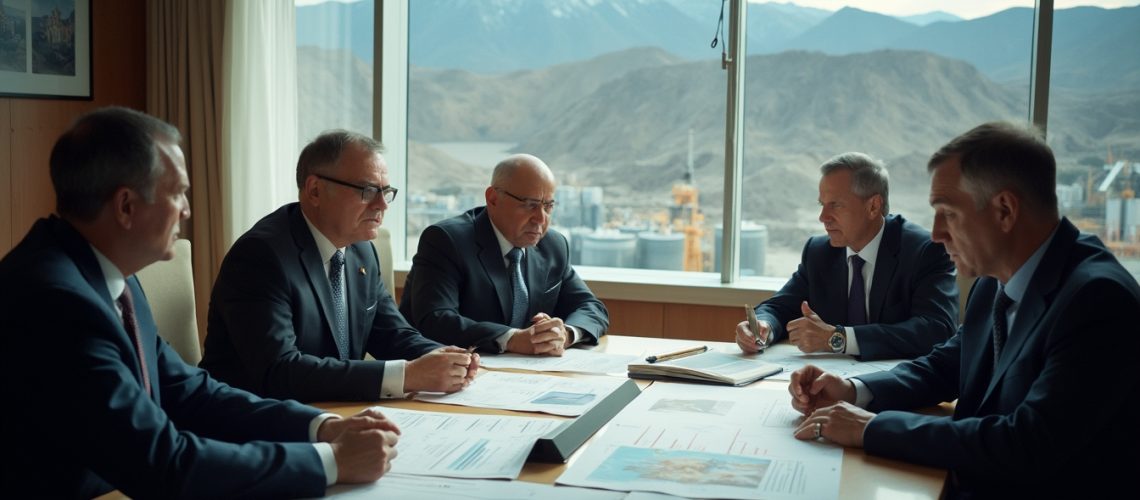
465, 446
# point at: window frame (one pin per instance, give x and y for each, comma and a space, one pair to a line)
390, 98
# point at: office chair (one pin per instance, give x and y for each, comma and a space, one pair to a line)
383, 244
169, 287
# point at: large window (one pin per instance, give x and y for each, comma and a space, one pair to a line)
625, 100
869, 76
1094, 123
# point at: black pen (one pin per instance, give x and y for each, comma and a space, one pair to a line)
676, 354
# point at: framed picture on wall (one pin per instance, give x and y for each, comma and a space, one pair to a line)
45, 49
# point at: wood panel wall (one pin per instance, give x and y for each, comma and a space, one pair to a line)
29, 127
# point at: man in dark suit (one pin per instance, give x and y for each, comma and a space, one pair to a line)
875, 287
465, 288
299, 299
1045, 395
112, 405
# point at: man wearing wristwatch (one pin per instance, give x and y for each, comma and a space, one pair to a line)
875, 287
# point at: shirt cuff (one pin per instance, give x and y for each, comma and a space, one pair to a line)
575, 334
502, 340
863, 394
392, 386
852, 342
328, 461
315, 424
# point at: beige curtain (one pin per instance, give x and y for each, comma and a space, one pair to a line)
185, 41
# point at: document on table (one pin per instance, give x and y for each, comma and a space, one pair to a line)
701, 441
407, 487
530, 392
464, 446
791, 358
573, 360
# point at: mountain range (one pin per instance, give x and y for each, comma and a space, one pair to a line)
1094, 48
622, 119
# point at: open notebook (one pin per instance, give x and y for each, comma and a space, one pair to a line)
712, 367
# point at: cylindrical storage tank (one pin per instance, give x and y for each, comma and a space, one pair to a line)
576, 236
753, 248
661, 251
609, 250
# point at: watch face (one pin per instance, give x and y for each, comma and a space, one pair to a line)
836, 341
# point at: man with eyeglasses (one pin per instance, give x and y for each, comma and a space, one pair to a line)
496, 278
299, 299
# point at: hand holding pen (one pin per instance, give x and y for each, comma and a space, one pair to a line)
753, 335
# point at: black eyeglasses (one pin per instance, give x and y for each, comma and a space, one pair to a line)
367, 193
530, 204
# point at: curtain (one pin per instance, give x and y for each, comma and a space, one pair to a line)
260, 111
224, 73
184, 86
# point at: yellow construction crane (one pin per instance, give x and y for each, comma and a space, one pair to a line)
686, 215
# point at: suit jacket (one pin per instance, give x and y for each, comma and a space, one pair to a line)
459, 290
1057, 415
913, 300
271, 314
80, 422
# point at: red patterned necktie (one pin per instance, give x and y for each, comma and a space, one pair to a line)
132, 325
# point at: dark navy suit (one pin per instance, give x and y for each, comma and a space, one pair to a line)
1059, 417
913, 301
79, 422
459, 290
271, 310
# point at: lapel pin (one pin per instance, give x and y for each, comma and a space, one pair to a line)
363, 271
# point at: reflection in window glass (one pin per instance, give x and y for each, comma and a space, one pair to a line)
1094, 102
624, 100
866, 76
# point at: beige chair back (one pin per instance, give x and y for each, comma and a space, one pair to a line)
169, 287
383, 244
965, 284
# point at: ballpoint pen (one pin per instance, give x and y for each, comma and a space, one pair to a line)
754, 327
676, 354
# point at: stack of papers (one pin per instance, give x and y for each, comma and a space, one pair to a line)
712, 367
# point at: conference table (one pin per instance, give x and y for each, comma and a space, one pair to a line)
862, 476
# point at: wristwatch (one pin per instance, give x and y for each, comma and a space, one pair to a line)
838, 340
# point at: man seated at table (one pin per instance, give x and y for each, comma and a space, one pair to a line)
97, 401
497, 278
875, 287
299, 299
1045, 395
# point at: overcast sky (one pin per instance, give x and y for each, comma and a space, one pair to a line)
968, 9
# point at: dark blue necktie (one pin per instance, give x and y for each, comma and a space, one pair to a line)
340, 322
857, 297
518, 289
1001, 328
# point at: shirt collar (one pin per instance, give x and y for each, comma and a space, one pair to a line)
870, 251
1019, 283
116, 283
504, 245
324, 246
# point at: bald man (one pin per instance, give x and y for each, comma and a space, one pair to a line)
497, 278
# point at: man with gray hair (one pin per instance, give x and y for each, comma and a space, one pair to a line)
875, 287
299, 299
497, 278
